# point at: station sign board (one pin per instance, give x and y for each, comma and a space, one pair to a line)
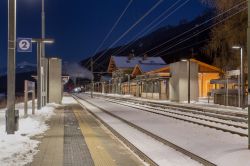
233, 73
30, 86
24, 45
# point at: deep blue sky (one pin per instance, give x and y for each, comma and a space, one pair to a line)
79, 26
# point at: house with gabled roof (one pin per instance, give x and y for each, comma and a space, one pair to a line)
128, 63
122, 68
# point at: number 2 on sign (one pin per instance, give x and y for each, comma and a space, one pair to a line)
24, 44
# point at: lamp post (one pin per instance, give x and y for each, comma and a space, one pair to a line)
248, 59
92, 78
109, 85
43, 20
42, 48
40, 42
241, 75
11, 123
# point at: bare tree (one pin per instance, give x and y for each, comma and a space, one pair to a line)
231, 32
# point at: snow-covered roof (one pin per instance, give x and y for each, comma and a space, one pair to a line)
149, 67
144, 68
125, 62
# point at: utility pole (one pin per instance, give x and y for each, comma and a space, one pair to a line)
43, 61
242, 79
43, 20
39, 78
189, 66
92, 79
248, 59
11, 123
109, 86
129, 84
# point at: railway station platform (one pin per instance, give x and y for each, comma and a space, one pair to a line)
76, 138
108, 130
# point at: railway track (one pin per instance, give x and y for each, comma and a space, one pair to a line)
141, 154
227, 124
225, 115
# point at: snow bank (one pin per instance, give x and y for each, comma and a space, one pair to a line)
68, 100
19, 149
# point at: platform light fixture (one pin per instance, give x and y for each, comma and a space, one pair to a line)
236, 47
45, 41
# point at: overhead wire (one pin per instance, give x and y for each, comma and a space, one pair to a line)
132, 27
114, 26
189, 46
194, 44
200, 32
195, 27
149, 27
111, 30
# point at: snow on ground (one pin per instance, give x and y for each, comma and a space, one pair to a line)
216, 146
19, 149
68, 100
161, 154
202, 103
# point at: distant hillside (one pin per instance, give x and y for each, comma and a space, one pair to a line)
20, 77
23, 67
194, 45
24, 71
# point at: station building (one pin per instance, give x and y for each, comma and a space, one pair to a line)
178, 75
123, 71
152, 78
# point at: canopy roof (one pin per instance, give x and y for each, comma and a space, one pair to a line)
143, 68
203, 68
224, 81
153, 76
206, 68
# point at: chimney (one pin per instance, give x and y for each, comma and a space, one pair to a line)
145, 56
130, 56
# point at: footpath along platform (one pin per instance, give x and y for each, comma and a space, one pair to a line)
76, 138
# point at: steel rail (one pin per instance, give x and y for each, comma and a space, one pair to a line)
190, 121
158, 138
138, 152
224, 115
186, 115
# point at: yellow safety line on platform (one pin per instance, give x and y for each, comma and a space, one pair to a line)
99, 154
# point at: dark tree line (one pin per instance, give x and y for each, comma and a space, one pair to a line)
227, 34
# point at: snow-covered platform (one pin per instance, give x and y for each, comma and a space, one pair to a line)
62, 135
218, 147
20, 148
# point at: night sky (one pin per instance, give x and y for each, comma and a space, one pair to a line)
79, 26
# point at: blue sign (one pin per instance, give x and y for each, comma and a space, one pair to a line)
24, 45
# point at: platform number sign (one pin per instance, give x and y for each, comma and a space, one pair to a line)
24, 45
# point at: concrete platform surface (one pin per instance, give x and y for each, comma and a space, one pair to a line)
76, 138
